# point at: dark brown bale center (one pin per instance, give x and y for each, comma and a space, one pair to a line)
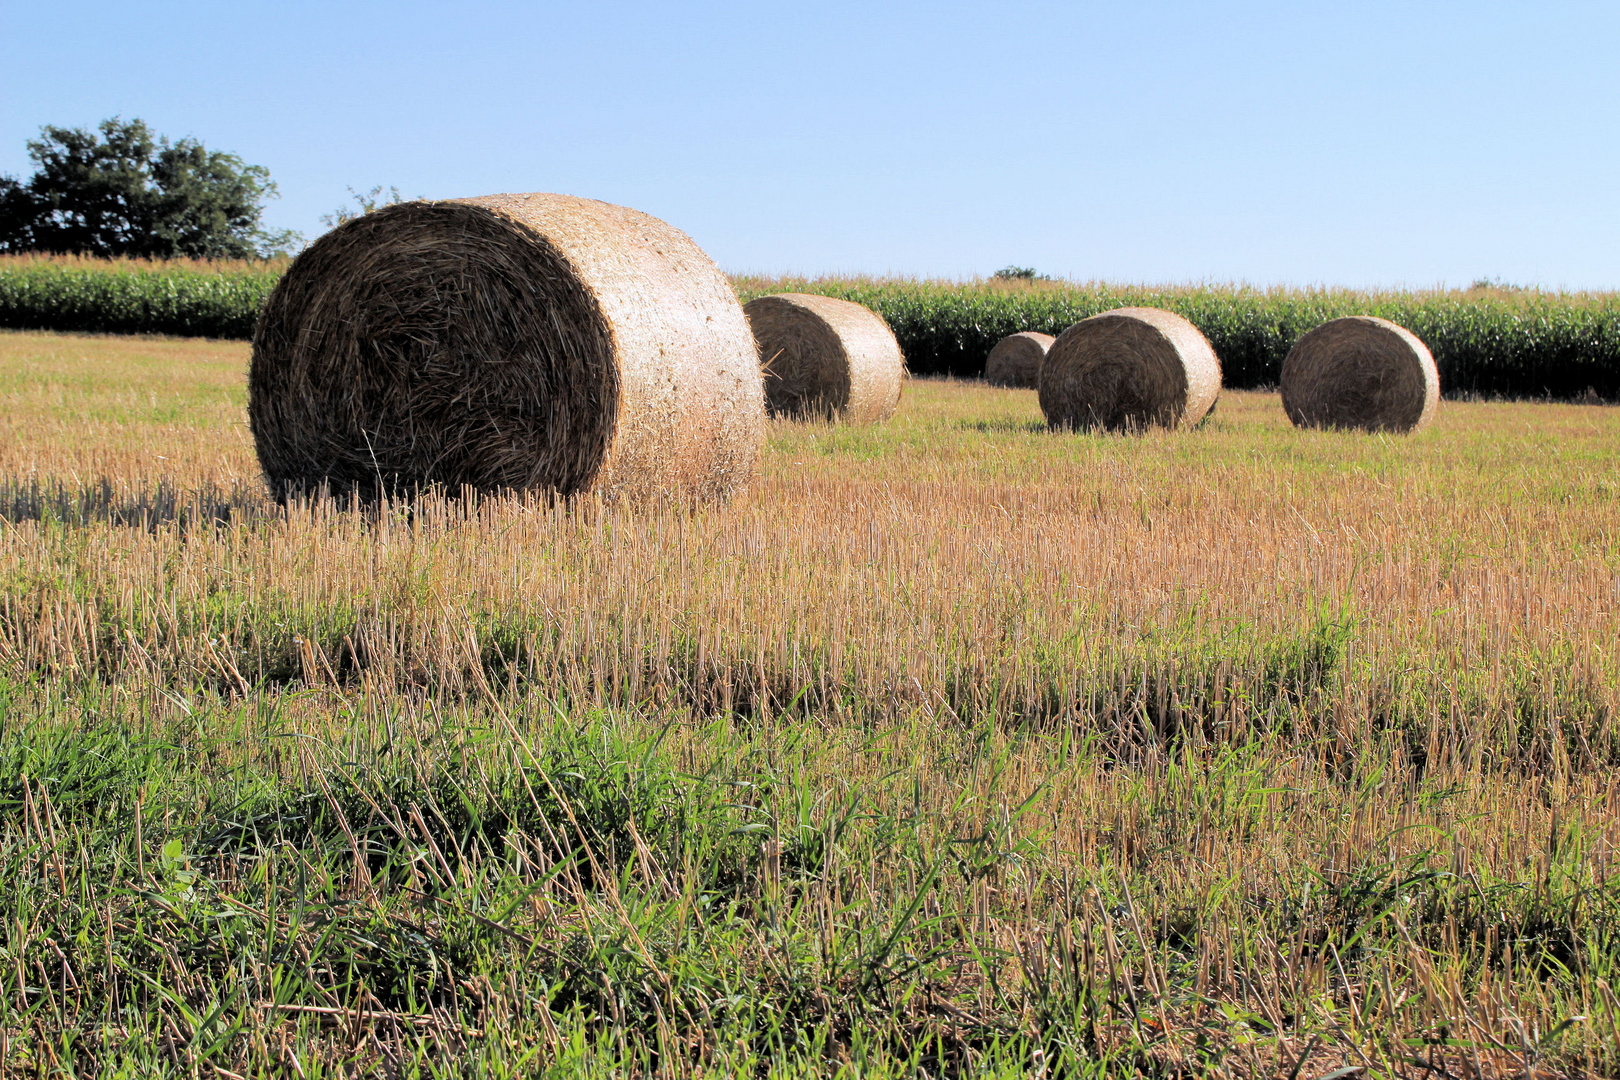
1354, 373
805, 365
1117, 374
432, 344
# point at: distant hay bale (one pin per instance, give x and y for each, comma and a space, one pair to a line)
1016, 360
1360, 372
824, 357
1128, 369
508, 342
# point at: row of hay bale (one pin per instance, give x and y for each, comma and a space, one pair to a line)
1141, 367
552, 343
539, 342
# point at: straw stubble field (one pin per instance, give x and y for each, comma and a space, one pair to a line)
953, 747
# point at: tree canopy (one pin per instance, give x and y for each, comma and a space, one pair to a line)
129, 192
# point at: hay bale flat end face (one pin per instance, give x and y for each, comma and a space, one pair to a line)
511, 342
1129, 369
1016, 360
825, 357
1360, 372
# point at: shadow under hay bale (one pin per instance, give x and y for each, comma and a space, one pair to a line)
824, 357
1129, 369
1016, 360
508, 342
79, 505
1360, 372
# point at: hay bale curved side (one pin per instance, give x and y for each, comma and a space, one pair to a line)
826, 357
1128, 369
509, 342
1016, 360
1360, 372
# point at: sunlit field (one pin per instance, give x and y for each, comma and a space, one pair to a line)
954, 747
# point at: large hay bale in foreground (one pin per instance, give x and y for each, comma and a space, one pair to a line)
824, 357
1016, 360
1360, 372
509, 342
1128, 369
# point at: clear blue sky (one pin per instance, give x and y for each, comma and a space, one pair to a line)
1370, 144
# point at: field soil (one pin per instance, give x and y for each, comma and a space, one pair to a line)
955, 747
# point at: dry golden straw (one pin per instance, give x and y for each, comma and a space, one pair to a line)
825, 357
1360, 372
1016, 360
509, 342
1129, 369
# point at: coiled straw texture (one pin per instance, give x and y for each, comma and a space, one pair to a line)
825, 357
1016, 360
509, 342
1129, 369
1360, 372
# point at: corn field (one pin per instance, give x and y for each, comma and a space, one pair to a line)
1490, 343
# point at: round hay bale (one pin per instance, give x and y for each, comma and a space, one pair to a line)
1360, 372
1128, 369
824, 357
1016, 360
508, 342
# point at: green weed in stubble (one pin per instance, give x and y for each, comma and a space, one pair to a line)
398, 886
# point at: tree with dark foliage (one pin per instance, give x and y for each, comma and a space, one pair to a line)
129, 192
